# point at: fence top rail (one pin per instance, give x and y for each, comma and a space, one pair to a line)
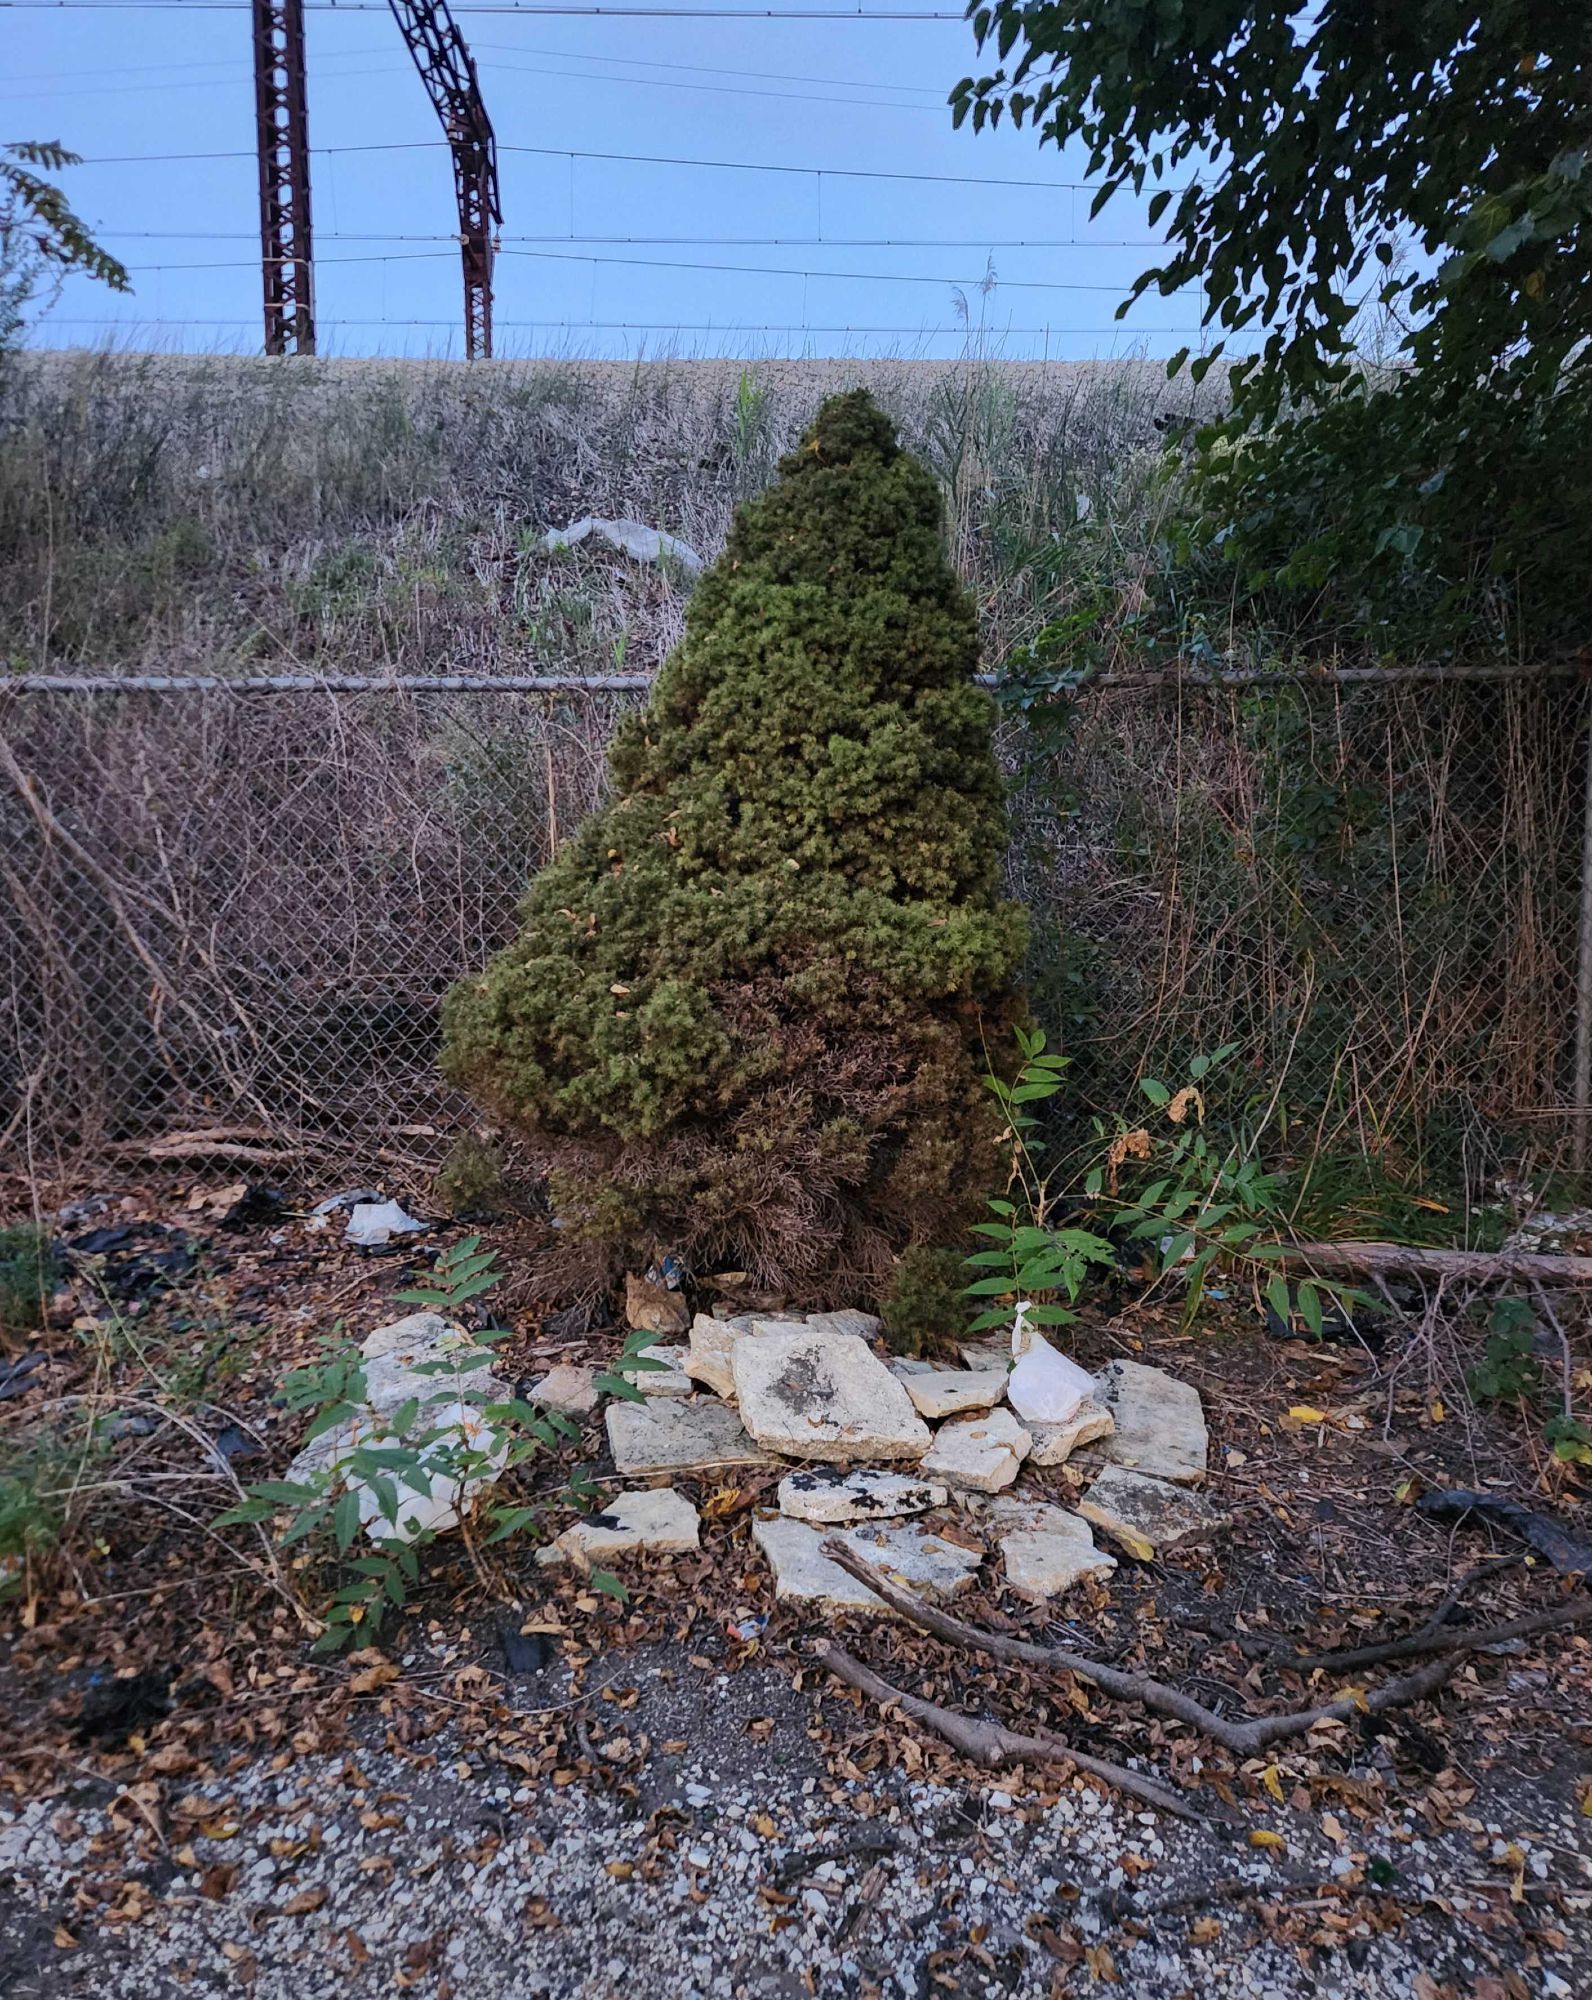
1168, 676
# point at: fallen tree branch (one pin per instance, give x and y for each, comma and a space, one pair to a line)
1418, 1260
992, 1744
1431, 1639
1246, 1738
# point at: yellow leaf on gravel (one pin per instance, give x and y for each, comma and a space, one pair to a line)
1307, 1413
1262, 1836
1272, 1780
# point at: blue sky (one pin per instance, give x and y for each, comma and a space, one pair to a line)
600, 256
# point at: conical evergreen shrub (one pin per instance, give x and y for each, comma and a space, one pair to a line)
745, 1017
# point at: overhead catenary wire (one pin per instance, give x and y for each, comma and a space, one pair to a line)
970, 284
551, 11
719, 327
506, 48
639, 159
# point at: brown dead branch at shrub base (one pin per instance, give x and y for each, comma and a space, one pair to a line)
1419, 1260
1248, 1737
992, 1744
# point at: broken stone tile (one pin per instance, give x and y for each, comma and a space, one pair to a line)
981, 1453
825, 1494
1146, 1515
658, 1519
669, 1380
1054, 1444
651, 1308
942, 1392
1160, 1423
1046, 1549
398, 1362
861, 1325
708, 1356
989, 1353
825, 1396
908, 1364
667, 1436
571, 1391
907, 1551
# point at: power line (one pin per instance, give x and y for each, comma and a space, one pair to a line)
960, 331
683, 264
864, 277
517, 69
524, 69
499, 7
673, 242
506, 48
708, 69
714, 89
585, 153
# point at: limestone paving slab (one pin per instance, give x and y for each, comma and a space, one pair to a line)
1160, 1422
907, 1551
662, 1435
946, 1392
826, 1494
1054, 1444
981, 1453
810, 1394
1046, 1549
1145, 1515
658, 1519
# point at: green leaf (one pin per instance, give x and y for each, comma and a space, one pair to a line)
609, 1584
248, 1512
1310, 1307
617, 1387
1157, 1093
345, 1518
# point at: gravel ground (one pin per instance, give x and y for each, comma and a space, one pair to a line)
735, 1862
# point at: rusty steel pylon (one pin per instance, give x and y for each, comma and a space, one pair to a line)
447, 69
283, 140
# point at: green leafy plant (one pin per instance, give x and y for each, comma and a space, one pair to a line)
925, 1307
1028, 1258
1337, 181
1570, 1438
1509, 1370
1200, 1203
434, 1446
29, 1271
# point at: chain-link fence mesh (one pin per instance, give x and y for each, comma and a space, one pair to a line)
228, 920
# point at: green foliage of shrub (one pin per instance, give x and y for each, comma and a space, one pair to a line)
743, 1014
29, 1272
925, 1310
470, 1180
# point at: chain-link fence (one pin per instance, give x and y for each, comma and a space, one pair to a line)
228, 919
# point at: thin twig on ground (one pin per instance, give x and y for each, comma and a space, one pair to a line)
992, 1744
1247, 1738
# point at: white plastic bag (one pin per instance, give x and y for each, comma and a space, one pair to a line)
1044, 1386
371, 1223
